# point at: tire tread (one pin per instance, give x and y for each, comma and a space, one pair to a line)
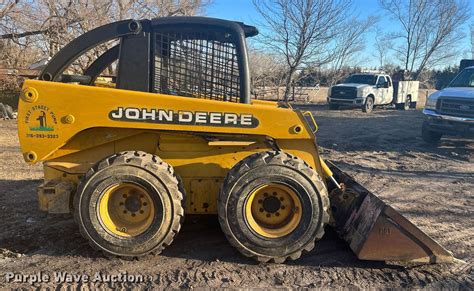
265, 158
148, 162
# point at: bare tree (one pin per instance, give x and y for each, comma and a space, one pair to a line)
6, 6
266, 69
301, 30
267, 72
347, 44
382, 45
156, 8
429, 30
41, 28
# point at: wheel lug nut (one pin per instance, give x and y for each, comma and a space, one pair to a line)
125, 211
124, 195
261, 210
281, 198
260, 201
277, 214
121, 203
268, 215
274, 193
133, 214
282, 207
141, 211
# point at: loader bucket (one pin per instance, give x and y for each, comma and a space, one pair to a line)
376, 231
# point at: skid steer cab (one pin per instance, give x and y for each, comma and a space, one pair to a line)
175, 132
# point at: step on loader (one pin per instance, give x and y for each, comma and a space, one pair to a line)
176, 132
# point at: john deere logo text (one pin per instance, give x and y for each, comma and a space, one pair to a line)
40, 118
182, 117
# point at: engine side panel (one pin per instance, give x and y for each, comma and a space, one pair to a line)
202, 161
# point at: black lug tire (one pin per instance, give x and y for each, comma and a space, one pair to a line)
428, 135
9, 110
368, 105
273, 167
406, 105
333, 106
149, 172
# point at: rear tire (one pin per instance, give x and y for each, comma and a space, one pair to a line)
369, 105
406, 105
9, 110
428, 135
130, 204
273, 206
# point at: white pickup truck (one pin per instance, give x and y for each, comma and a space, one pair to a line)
451, 111
368, 90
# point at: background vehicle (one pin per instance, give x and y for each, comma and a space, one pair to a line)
367, 90
465, 63
6, 111
451, 111
182, 136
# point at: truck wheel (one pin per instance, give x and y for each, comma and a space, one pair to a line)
130, 204
333, 106
406, 105
9, 110
273, 206
428, 135
369, 105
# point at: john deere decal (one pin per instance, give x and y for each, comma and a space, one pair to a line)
183, 117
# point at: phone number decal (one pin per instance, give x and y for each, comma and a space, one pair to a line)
41, 135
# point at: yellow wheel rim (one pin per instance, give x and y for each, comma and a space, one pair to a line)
273, 210
126, 210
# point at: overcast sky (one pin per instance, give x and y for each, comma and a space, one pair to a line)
243, 10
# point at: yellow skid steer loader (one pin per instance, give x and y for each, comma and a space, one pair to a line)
177, 133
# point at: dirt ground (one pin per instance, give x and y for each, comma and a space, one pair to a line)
432, 186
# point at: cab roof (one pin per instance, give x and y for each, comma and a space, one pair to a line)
207, 22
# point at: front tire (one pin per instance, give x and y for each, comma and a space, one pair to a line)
130, 204
428, 135
273, 206
369, 105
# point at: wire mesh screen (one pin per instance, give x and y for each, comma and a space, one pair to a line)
196, 64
